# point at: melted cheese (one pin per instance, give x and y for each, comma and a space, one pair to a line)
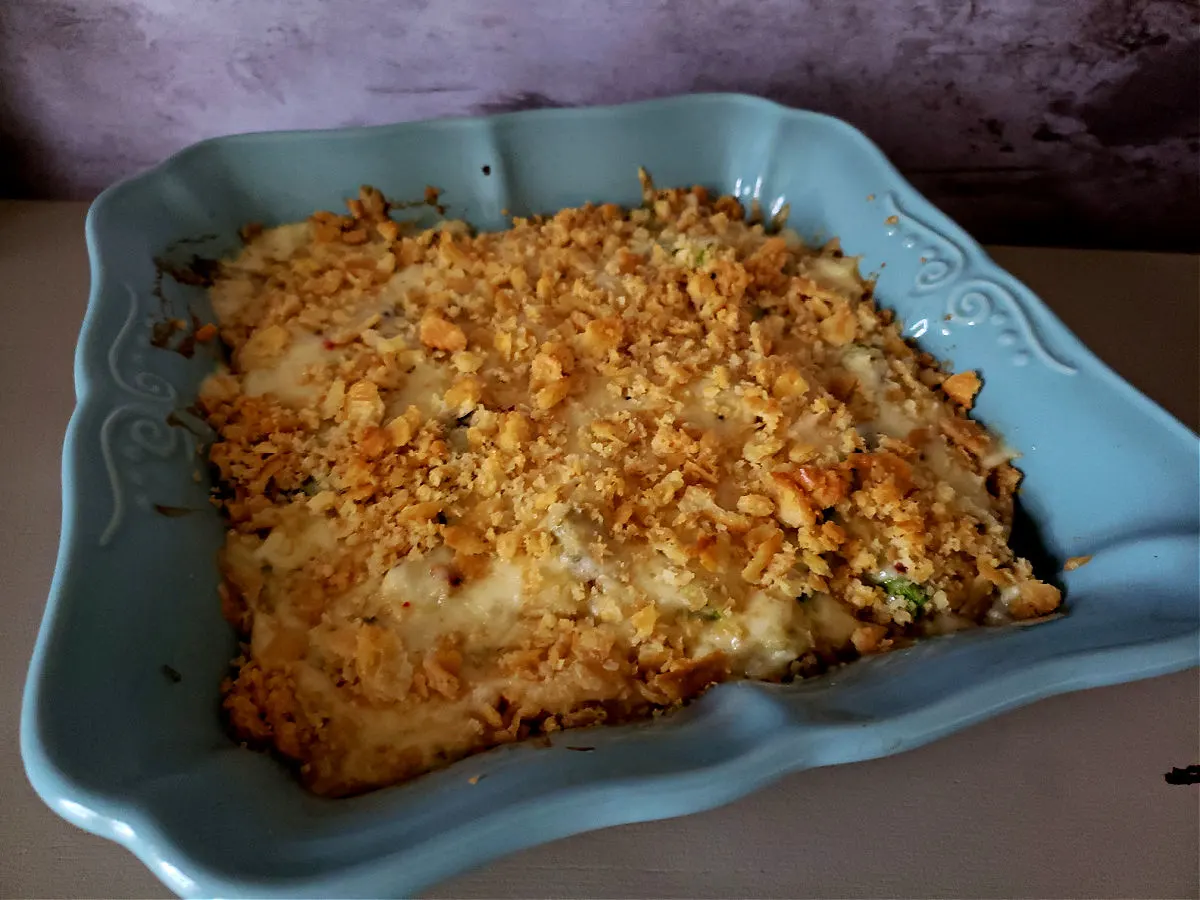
426, 606
287, 378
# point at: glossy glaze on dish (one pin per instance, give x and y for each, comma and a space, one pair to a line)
487, 486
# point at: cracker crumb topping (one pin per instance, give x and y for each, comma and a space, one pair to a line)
484, 486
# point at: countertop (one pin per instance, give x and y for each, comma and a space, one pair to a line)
1065, 798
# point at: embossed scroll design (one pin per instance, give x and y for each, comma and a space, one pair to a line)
137, 429
970, 300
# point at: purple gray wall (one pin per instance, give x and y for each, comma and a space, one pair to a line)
1031, 121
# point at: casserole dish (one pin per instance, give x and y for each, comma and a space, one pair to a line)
120, 731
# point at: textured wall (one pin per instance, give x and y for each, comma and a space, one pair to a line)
1069, 122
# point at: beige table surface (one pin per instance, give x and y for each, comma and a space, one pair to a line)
1064, 798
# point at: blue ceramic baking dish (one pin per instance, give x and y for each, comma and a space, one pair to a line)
120, 732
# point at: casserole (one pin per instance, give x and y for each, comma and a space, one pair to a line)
120, 732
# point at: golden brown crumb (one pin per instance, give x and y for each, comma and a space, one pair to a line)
962, 388
1076, 562
1033, 599
440, 334
866, 638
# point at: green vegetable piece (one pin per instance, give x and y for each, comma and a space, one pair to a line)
907, 590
